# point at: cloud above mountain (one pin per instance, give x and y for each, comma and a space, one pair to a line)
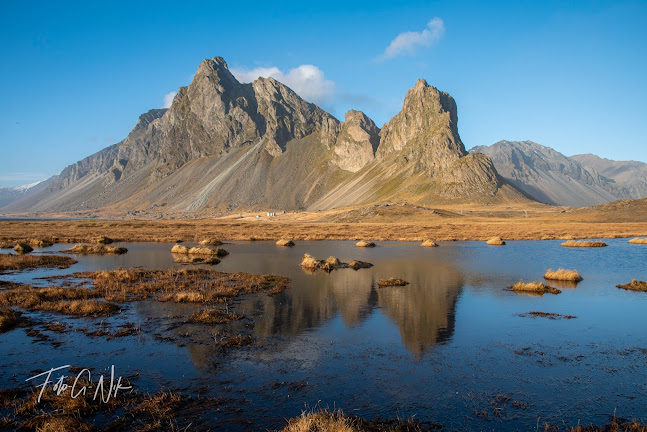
168, 99
307, 80
408, 43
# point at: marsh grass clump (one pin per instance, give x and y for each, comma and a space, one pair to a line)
356, 264
429, 243
40, 243
95, 249
563, 275
495, 241
310, 263
69, 301
22, 248
365, 244
210, 242
285, 242
183, 285
634, 285
235, 341
9, 319
337, 421
204, 251
22, 262
179, 249
583, 244
638, 240
392, 282
533, 288
213, 316
102, 240
331, 263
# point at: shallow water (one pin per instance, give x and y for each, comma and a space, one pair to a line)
448, 348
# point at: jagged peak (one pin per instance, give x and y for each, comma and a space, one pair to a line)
216, 68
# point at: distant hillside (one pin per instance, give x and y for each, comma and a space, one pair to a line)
225, 145
550, 177
630, 175
16, 194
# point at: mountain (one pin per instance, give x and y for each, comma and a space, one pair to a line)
18, 193
550, 177
629, 175
224, 145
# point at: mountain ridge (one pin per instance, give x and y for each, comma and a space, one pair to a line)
223, 144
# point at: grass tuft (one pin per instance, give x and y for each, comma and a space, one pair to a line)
583, 243
95, 249
429, 243
285, 242
563, 275
534, 288
495, 241
365, 243
634, 285
638, 240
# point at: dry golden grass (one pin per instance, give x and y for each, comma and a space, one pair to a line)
365, 243
204, 251
563, 275
216, 316
638, 240
22, 248
21, 262
184, 285
69, 301
495, 241
95, 249
9, 318
320, 421
40, 243
331, 263
475, 223
429, 243
583, 244
285, 242
391, 282
634, 285
310, 263
533, 287
180, 249
337, 421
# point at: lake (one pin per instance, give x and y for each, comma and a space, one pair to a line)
450, 348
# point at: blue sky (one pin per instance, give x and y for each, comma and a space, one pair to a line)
572, 76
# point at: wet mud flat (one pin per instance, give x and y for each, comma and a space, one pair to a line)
224, 347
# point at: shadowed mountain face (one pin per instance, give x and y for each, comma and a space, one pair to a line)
550, 177
630, 175
223, 144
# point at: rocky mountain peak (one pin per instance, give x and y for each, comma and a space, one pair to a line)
357, 142
425, 132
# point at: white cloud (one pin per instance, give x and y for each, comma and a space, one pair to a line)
409, 42
168, 99
307, 80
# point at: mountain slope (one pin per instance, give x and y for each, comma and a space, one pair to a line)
224, 145
630, 175
548, 176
